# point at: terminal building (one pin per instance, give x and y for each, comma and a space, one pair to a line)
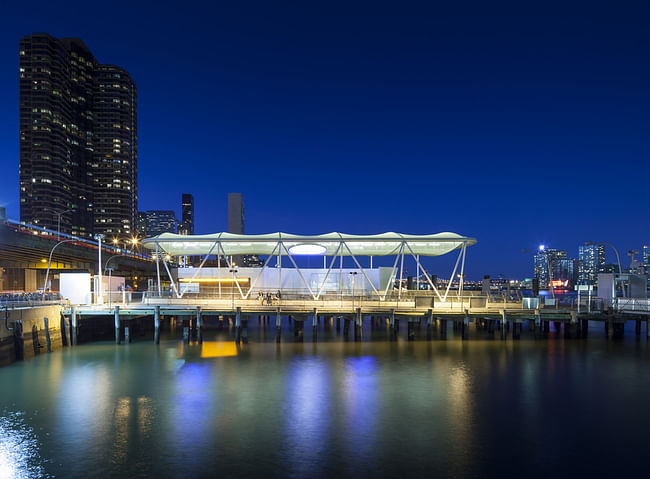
347, 264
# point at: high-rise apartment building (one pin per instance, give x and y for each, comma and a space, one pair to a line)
78, 139
141, 224
235, 213
591, 259
186, 226
545, 263
160, 221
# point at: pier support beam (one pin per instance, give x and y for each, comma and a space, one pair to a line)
392, 336
156, 325
314, 325
465, 328
117, 324
429, 324
127, 333
538, 324
199, 335
278, 326
238, 325
357, 325
48, 342
503, 324
443, 327
73, 326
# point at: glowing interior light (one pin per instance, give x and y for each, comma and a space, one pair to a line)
307, 249
541, 247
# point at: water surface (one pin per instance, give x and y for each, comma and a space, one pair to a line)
477, 408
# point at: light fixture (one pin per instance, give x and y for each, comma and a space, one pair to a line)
307, 249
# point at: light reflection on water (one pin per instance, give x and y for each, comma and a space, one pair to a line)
450, 408
19, 449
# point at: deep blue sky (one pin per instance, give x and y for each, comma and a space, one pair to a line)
514, 123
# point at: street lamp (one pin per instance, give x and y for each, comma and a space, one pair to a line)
232, 286
99, 238
49, 261
58, 221
110, 270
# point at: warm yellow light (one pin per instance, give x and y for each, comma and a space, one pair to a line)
214, 280
115, 241
134, 241
43, 260
213, 349
167, 257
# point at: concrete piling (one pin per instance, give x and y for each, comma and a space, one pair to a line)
199, 335
156, 325
429, 324
443, 328
278, 326
358, 323
314, 325
465, 326
73, 326
238, 325
117, 324
127, 335
48, 342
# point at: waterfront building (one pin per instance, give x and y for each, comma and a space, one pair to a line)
565, 273
186, 227
545, 264
78, 139
160, 221
591, 259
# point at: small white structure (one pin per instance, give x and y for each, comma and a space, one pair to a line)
75, 287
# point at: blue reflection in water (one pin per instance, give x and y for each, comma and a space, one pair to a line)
307, 415
193, 403
361, 405
19, 449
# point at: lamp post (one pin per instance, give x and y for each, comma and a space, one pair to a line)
232, 286
110, 270
58, 221
99, 238
49, 261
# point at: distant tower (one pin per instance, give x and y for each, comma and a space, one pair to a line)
591, 260
187, 215
547, 260
235, 213
160, 221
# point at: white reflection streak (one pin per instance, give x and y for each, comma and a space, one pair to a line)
19, 456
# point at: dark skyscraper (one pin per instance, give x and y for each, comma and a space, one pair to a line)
235, 213
187, 215
78, 139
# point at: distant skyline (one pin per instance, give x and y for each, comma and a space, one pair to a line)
516, 124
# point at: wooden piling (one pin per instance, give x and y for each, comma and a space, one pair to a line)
48, 342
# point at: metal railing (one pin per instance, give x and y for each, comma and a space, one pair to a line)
22, 300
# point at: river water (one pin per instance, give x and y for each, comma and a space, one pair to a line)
477, 408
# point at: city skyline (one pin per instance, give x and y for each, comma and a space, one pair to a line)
360, 123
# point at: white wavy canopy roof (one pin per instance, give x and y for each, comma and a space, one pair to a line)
384, 244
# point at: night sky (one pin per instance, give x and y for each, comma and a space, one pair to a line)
518, 124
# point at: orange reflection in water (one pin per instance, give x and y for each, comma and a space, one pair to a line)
214, 349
